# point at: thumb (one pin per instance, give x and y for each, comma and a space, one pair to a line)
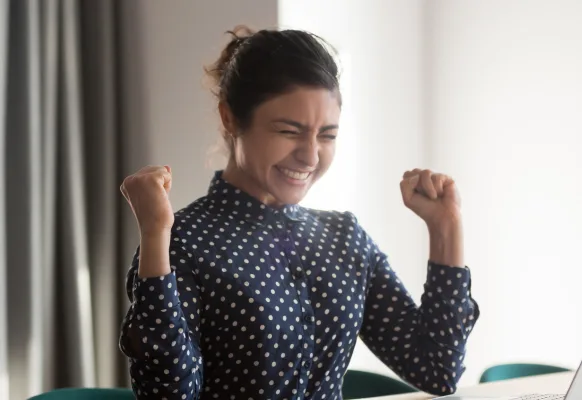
167, 178
407, 187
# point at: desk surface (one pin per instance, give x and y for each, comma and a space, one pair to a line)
548, 384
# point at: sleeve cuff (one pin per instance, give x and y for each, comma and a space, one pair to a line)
444, 279
156, 294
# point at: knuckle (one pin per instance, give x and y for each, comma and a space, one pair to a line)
126, 182
149, 179
133, 182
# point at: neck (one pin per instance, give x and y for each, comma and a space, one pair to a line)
243, 181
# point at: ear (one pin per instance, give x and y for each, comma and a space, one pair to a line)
228, 119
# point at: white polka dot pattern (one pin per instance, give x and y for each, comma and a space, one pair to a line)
267, 304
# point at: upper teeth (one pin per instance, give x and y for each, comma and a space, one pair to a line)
295, 175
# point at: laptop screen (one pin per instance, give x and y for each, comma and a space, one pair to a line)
575, 391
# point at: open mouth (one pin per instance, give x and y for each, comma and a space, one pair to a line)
295, 175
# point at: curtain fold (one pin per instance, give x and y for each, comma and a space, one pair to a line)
103, 176
64, 243
49, 81
76, 275
3, 271
22, 244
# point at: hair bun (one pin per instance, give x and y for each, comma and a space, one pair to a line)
239, 35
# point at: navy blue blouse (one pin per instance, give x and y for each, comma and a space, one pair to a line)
264, 303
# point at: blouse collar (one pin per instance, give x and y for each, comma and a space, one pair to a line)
228, 199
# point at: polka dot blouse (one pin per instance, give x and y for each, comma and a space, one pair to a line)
267, 304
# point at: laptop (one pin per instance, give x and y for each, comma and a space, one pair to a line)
574, 393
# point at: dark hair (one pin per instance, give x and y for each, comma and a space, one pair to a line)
255, 66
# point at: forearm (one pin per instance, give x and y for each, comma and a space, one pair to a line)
164, 351
154, 259
421, 341
166, 361
447, 244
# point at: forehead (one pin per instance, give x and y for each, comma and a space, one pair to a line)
307, 105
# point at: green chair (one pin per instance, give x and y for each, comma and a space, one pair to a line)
510, 371
86, 394
360, 385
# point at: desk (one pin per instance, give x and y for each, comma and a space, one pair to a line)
557, 383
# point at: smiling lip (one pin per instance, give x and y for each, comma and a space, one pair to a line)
295, 176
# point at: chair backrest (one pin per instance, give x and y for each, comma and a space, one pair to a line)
86, 394
510, 371
361, 384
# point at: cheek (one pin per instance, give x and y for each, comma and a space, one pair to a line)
265, 149
326, 156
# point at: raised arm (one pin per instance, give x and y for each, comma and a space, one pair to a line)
161, 331
424, 344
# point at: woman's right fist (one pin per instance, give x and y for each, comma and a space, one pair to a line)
147, 192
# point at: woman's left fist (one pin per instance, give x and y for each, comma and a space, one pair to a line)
433, 197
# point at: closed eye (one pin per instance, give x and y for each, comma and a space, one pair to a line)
286, 132
329, 137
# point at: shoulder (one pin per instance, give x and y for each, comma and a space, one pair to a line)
196, 208
331, 217
343, 229
190, 221
337, 221
345, 223
192, 216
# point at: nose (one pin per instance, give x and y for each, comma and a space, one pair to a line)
308, 152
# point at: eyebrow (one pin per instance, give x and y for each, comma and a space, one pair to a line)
301, 126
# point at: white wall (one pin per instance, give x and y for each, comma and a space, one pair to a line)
490, 93
504, 117
381, 133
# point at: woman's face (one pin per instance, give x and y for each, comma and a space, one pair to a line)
289, 145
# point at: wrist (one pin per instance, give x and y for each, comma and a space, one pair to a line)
154, 256
443, 225
156, 236
447, 243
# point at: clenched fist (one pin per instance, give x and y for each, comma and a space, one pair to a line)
433, 197
147, 192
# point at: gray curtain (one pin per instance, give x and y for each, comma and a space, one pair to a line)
65, 235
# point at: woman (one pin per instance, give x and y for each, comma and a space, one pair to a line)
244, 294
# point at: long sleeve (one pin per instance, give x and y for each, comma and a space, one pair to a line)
275, 299
424, 345
161, 333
